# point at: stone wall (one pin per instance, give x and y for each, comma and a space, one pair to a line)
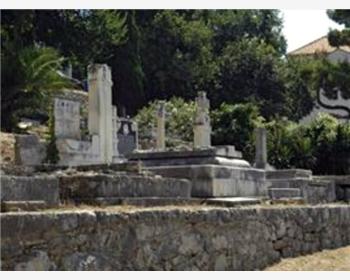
173, 239
30, 188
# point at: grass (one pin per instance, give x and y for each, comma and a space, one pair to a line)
327, 260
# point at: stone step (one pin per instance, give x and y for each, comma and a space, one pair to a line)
278, 193
164, 201
139, 201
30, 205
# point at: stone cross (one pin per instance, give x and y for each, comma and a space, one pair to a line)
202, 128
160, 143
100, 108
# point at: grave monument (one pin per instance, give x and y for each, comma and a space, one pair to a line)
218, 171
101, 145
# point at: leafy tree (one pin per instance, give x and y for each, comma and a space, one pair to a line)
28, 76
233, 25
127, 70
249, 72
340, 38
176, 55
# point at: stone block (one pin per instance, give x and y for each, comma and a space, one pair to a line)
29, 150
277, 193
25, 188
289, 174
218, 181
78, 187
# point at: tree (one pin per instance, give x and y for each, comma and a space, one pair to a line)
82, 36
176, 55
249, 72
28, 76
233, 25
127, 71
340, 38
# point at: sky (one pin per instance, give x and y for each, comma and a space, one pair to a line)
303, 26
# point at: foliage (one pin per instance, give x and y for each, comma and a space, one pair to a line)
322, 146
234, 125
127, 69
336, 37
28, 76
186, 51
178, 126
52, 153
176, 55
249, 72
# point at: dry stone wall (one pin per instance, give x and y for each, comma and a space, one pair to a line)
174, 239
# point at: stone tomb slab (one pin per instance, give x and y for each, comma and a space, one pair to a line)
218, 180
219, 155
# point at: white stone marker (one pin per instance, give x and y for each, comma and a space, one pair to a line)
160, 141
100, 108
202, 128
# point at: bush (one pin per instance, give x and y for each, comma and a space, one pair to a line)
178, 125
234, 125
322, 146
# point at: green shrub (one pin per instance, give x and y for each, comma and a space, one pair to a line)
322, 146
178, 125
234, 125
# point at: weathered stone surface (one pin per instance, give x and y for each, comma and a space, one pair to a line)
29, 150
26, 188
178, 239
313, 190
79, 187
342, 185
277, 193
216, 151
289, 173
218, 181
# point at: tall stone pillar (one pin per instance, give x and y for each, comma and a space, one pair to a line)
100, 108
160, 141
260, 148
202, 128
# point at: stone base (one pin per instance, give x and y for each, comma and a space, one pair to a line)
217, 180
30, 188
312, 190
89, 187
216, 171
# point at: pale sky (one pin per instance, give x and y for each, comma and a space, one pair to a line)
303, 26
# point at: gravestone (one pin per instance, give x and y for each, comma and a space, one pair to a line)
202, 128
160, 140
67, 119
127, 134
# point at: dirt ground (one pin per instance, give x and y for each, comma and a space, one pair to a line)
327, 260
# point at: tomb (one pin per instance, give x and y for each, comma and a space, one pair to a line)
218, 171
108, 138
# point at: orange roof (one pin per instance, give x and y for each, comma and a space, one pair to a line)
320, 45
